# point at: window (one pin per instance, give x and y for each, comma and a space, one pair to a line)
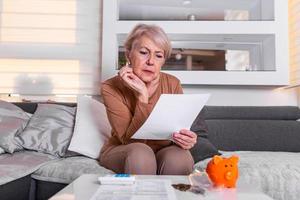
294, 42
49, 47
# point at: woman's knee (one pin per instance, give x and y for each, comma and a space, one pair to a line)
140, 159
175, 162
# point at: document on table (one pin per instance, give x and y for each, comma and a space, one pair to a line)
171, 113
142, 189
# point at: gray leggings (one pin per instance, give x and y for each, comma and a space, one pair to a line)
139, 158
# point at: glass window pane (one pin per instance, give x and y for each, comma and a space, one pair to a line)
217, 52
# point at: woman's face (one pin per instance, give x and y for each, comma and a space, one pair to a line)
146, 59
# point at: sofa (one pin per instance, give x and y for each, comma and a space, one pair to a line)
267, 140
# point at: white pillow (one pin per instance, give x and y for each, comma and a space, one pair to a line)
1, 151
92, 128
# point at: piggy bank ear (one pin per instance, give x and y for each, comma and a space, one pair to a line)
234, 159
217, 159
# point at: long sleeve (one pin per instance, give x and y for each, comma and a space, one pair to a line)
124, 123
178, 89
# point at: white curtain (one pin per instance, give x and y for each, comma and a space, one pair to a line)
49, 47
294, 20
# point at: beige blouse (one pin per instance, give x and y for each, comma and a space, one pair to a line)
127, 114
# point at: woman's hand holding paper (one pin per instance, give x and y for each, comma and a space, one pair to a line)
186, 139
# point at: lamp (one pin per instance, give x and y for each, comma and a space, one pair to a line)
178, 56
191, 17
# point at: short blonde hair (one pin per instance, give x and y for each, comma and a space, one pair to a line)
154, 33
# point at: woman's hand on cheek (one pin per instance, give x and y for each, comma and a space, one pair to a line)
186, 139
134, 82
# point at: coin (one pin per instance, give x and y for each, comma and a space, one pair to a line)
181, 186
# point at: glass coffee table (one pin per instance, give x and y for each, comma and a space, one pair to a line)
84, 187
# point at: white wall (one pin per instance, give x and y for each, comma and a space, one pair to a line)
247, 96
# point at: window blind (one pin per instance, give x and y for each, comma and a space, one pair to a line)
49, 47
294, 22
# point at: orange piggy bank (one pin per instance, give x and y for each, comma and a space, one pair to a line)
223, 171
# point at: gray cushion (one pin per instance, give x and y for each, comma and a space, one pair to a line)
255, 135
20, 164
49, 129
203, 148
68, 169
252, 112
12, 122
30, 107
1, 151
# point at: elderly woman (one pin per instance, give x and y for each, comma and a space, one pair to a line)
130, 97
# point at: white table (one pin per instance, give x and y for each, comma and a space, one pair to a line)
86, 185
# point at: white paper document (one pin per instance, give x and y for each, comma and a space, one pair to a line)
171, 113
147, 189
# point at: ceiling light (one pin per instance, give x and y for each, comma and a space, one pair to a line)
186, 2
